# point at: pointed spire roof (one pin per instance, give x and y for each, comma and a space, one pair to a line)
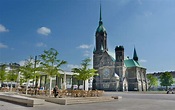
100, 15
135, 57
100, 27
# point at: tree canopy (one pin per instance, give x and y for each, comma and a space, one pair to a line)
84, 73
51, 64
2, 73
166, 79
27, 69
152, 81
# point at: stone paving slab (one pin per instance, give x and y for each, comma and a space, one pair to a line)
129, 102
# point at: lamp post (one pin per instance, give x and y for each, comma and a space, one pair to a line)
35, 76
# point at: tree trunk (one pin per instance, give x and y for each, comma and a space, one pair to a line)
50, 86
11, 87
149, 88
78, 84
64, 82
84, 84
36, 85
0, 84
72, 87
45, 82
166, 88
27, 86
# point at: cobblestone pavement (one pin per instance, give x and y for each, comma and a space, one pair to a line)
130, 101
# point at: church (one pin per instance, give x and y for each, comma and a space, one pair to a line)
119, 73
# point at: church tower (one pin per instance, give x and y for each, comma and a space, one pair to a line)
101, 42
101, 36
119, 67
119, 55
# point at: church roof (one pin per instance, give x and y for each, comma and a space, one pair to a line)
101, 28
135, 57
132, 63
112, 58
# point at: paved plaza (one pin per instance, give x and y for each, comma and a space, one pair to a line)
129, 101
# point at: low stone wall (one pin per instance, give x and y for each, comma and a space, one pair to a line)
18, 100
61, 101
78, 100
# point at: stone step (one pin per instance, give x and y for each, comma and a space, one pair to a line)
22, 100
88, 100
78, 100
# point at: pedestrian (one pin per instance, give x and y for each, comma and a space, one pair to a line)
168, 91
55, 91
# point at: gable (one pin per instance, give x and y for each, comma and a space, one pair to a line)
106, 60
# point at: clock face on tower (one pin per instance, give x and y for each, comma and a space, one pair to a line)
106, 73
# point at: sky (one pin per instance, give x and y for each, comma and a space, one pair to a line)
28, 27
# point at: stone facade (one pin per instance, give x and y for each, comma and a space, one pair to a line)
119, 73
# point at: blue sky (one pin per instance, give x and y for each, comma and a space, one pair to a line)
28, 27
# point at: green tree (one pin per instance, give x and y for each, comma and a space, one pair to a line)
84, 72
2, 73
152, 81
51, 65
27, 71
166, 79
12, 76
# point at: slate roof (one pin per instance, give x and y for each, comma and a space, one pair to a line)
131, 63
128, 62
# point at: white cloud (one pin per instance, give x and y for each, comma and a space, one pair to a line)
112, 54
70, 66
21, 63
142, 60
44, 31
87, 53
41, 44
85, 46
3, 45
3, 28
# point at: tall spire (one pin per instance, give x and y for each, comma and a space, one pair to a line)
101, 35
135, 57
100, 12
100, 22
